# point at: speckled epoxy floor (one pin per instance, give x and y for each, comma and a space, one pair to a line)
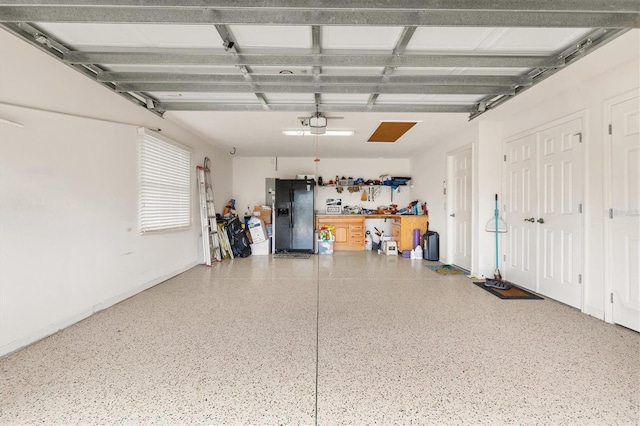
353, 338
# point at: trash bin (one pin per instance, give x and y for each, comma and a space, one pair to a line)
431, 249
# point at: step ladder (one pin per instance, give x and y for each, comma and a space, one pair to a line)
210, 236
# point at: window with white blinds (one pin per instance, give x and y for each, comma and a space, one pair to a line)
165, 184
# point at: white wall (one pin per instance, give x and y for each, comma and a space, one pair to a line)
249, 175
583, 88
69, 198
610, 71
429, 169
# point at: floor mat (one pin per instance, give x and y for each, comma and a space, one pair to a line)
514, 292
447, 270
292, 256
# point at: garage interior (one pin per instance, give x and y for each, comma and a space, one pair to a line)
102, 324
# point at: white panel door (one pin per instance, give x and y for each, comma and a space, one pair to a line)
625, 197
521, 212
542, 209
462, 209
559, 219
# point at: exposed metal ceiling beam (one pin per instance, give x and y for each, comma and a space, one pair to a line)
51, 47
316, 44
522, 5
231, 46
254, 88
297, 79
570, 55
212, 106
214, 57
399, 49
368, 17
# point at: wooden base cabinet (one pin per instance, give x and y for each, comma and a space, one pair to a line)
402, 230
349, 231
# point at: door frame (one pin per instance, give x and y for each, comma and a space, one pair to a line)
449, 193
584, 116
607, 197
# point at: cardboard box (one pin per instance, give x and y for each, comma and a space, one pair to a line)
257, 230
263, 212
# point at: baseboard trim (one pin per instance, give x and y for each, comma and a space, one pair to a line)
17, 345
594, 312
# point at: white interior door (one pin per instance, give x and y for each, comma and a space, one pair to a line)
521, 212
461, 209
559, 218
543, 212
625, 213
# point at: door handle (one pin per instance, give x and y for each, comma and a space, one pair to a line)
292, 208
541, 220
531, 219
452, 215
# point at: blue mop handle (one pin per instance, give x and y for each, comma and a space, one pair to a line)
496, 214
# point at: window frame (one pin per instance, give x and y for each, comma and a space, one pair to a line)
182, 179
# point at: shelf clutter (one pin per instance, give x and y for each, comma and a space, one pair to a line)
354, 185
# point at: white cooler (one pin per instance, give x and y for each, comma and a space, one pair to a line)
261, 249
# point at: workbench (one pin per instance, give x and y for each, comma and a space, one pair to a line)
350, 229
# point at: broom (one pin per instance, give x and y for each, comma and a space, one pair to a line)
496, 225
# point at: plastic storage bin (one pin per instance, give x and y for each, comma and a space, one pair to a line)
325, 247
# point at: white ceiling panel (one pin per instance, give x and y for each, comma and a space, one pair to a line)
403, 99
352, 70
209, 97
90, 34
204, 36
270, 36
536, 40
459, 71
448, 38
455, 99
490, 71
256, 69
136, 35
338, 98
427, 99
289, 98
364, 38
423, 71
187, 69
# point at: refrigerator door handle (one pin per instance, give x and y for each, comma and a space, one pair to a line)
291, 201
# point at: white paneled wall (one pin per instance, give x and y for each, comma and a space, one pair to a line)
69, 198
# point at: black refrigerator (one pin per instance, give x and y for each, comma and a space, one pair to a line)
293, 226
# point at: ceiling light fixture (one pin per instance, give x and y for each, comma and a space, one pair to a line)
327, 133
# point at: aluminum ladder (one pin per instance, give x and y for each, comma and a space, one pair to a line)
210, 236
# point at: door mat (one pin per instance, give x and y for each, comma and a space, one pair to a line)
514, 292
291, 256
448, 270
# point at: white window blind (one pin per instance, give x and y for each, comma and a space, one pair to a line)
165, 178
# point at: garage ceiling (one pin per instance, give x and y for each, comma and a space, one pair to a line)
202, 60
